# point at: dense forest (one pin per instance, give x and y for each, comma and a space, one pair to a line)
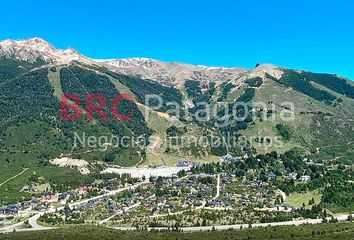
80, 81
332, 82
141, 88
28, 97
10, 68
301, 84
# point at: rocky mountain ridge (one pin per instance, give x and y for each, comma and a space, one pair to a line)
169, 73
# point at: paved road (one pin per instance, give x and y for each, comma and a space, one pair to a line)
218, 181
11, 227
126, 209
238, 226
36, 227
120, 212
33, 220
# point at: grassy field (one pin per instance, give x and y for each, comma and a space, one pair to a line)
296, 199
309, 128
10, 191
234, 187
340, 209
269, 91
30, 145
343, 231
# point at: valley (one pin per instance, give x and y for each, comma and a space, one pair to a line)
204, 147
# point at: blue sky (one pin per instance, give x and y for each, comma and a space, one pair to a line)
306, 34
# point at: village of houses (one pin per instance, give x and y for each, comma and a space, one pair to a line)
184, 197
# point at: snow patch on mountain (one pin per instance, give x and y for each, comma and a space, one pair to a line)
172, 73
34, 49
168, 73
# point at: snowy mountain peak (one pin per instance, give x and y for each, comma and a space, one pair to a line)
34, 49
37, 43
171, 73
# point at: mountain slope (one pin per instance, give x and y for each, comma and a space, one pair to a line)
34, 76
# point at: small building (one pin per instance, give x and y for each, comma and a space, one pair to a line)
3, 211
228, 158
85, 187
184, 164
271, 176
48, 196
305, 178
292, 176
28, 189
10, 210
63, 196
